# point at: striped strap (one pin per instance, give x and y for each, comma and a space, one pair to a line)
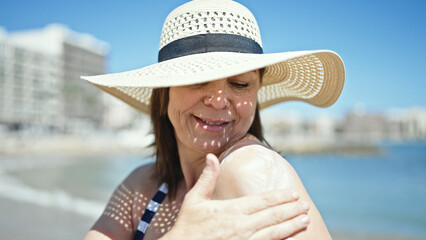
150, 211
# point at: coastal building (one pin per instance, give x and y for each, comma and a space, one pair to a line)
364, 127
407, 124
40, 85
324, 127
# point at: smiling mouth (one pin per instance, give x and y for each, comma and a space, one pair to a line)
211, 123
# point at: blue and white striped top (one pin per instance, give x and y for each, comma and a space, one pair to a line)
150, 211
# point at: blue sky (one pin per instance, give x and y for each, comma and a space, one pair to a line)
382, 42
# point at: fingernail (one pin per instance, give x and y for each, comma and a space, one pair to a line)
305, 206
295, 195
305, 220
208, 163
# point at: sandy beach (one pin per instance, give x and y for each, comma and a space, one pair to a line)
27, 221
368, 236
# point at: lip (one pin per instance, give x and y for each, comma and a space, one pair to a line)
218, 127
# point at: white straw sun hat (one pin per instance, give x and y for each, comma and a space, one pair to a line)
205, 40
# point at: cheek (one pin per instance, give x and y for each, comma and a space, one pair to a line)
175, 106
182, 98
245, 109
180, 102
245, 106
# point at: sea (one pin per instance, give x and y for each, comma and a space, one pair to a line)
382, 194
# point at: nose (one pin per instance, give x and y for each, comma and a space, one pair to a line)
216, 95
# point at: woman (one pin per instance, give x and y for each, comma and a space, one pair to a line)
204, 97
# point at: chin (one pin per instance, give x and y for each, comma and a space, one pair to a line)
209, 148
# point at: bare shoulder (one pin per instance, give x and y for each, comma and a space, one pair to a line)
123, 209
250, 167
141, 180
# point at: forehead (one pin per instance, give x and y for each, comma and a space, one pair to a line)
247, 74
250, 76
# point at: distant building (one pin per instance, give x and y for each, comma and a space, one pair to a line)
324, 127
40, 85
363, 127
408, 124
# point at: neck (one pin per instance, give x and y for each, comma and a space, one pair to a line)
192, 164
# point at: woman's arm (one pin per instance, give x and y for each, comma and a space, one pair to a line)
95, 235
269, 215
254, 169
114, 223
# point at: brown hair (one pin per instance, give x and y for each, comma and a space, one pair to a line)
167, 163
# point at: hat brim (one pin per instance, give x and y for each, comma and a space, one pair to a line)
316, 77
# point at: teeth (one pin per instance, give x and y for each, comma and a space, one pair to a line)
212, 124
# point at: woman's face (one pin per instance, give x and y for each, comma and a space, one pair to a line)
208, 117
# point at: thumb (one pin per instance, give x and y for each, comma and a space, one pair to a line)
204, 187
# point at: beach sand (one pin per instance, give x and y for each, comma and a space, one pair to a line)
369, 236
27, 221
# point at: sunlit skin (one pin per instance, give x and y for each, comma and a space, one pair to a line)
209, 117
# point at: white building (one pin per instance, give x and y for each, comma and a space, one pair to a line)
407, 124
40, 85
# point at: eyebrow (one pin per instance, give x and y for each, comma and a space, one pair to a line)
252, 71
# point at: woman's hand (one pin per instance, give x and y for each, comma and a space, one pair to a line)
270, 215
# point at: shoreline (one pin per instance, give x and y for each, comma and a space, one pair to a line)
112, 144
73, 145
345, 150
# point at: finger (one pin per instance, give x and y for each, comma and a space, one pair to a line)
277, 214
254, 203
282, 230
206, 183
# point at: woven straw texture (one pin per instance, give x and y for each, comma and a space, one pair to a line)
209, 16
315, 77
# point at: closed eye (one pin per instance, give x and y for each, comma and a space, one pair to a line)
239, 85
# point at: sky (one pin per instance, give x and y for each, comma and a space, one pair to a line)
382, 42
